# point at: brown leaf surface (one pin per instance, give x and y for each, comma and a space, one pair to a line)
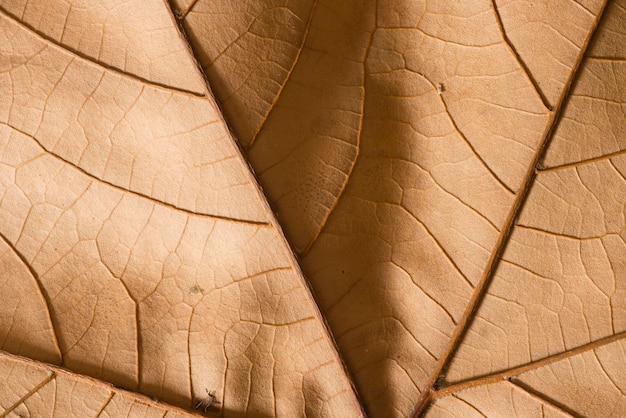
145, 254
502, 399
449, 174
37, 390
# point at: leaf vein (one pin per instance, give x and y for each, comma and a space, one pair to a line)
136, 193
76, 53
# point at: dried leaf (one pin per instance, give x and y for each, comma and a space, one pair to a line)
450, 175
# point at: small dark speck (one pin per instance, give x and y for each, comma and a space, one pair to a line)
440, 381
196, 289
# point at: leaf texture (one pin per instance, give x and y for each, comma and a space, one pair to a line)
38, 390
146, 251
458, 101
450, 176
497, 400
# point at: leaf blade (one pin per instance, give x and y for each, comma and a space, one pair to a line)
151, 289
